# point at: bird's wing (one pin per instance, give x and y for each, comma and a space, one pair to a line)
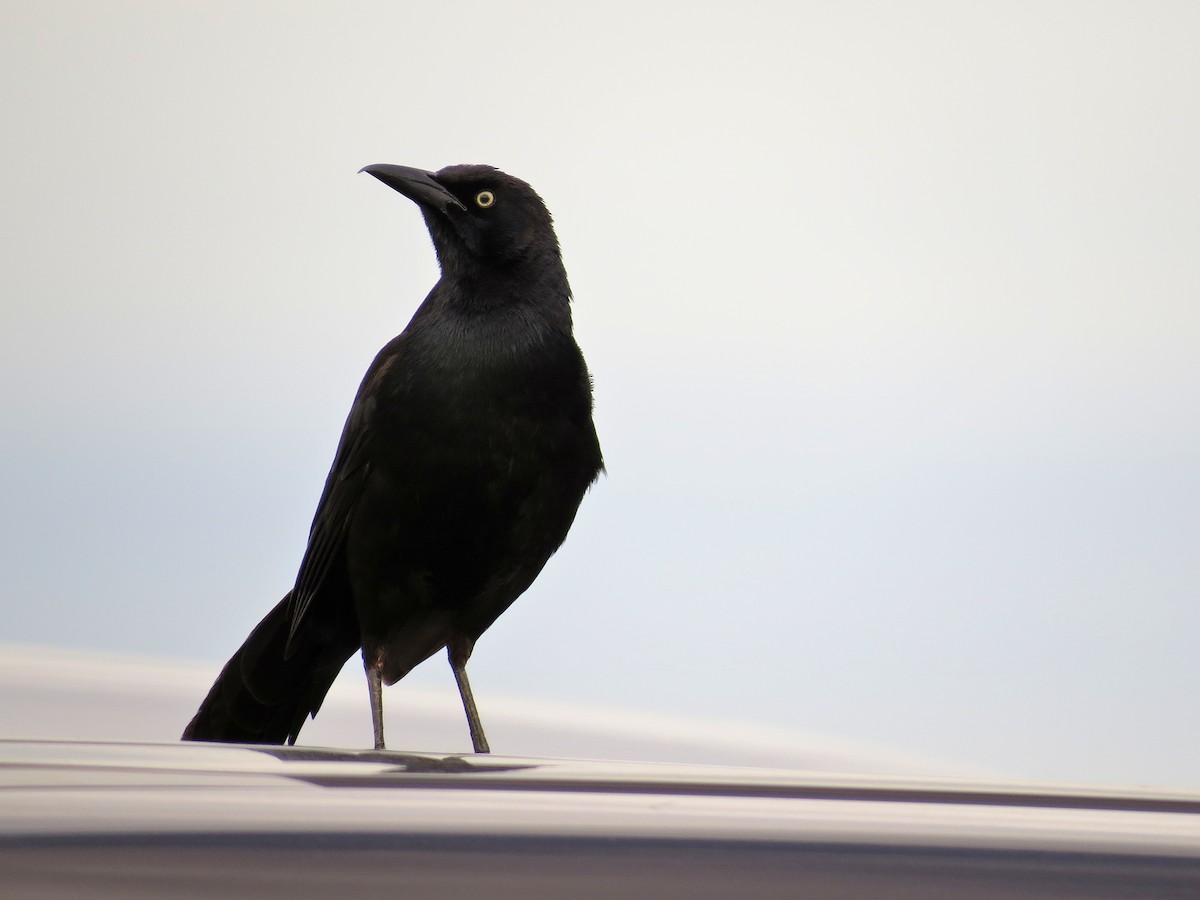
343, 488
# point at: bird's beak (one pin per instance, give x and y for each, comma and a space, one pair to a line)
415, 184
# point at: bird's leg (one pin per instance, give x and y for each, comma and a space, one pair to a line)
375, 686
459, 650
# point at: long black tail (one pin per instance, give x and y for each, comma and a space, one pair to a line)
261, 697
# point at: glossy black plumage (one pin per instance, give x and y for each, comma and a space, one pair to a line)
461, 466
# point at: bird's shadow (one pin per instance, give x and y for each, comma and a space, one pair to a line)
407, 763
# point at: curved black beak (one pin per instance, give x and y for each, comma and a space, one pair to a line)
416, 184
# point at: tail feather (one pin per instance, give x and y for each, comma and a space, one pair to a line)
261, 697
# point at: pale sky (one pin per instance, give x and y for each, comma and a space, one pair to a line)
892, 311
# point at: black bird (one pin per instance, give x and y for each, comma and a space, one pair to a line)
464, 459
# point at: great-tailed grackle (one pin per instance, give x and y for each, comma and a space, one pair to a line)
465, 456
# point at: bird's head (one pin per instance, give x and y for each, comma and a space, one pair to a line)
481, 219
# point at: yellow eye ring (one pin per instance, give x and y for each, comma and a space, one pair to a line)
484, 199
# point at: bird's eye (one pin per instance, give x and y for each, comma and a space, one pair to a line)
484, 199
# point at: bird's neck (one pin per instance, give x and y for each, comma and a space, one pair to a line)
540, 283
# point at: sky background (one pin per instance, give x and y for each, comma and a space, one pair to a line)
892, 311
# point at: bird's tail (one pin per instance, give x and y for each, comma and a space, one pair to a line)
263, 697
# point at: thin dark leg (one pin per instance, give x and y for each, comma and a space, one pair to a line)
375, 686
459, 651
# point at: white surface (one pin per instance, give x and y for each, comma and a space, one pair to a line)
97, 788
